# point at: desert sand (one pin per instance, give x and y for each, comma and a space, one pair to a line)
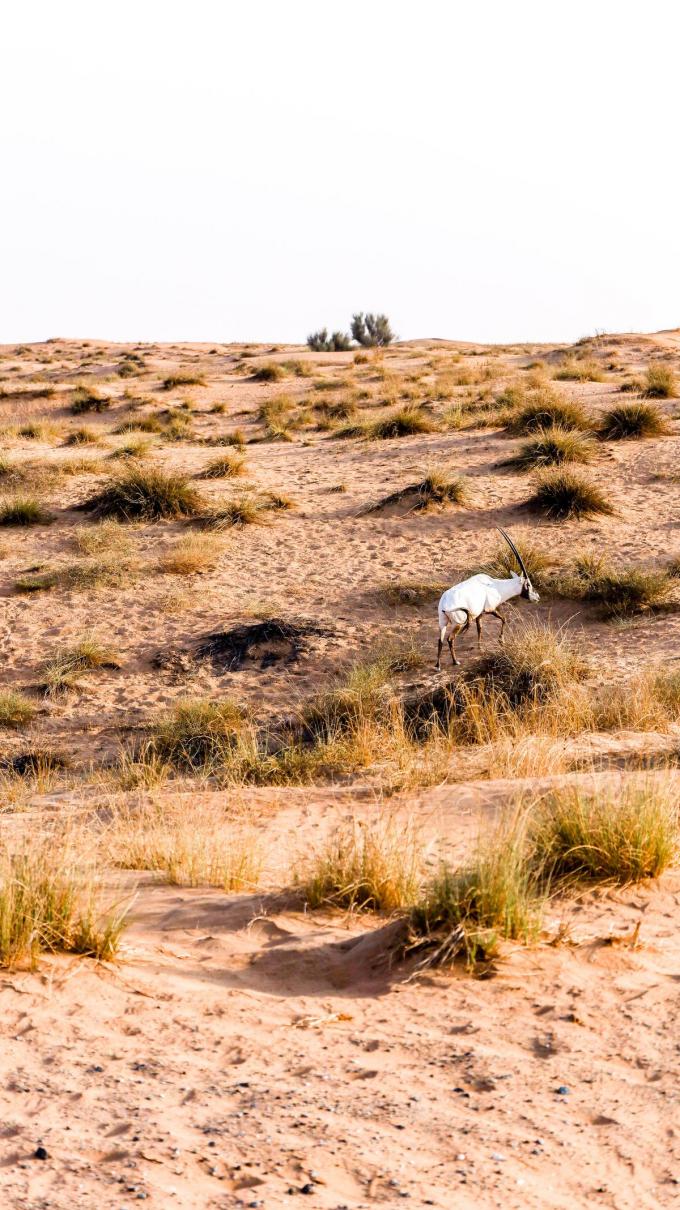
243, 1051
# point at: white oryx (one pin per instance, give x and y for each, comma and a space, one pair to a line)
479, 595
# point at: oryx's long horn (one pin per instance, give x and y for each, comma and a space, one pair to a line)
514, 550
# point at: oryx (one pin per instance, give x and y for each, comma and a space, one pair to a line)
476, 596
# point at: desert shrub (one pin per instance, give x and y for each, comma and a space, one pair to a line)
546, 411
88, 399
227, 466
16, 710
494, 896
371, 330
579, 371
23, 510
377, 866
270, 371
82, 436
237, 438
182, 379
405, 422
554, 446
632, 420
536, 664
621, 592
49, 903
200, 848
193, 553
105, 537
321, 342
136, 447
436, 490
618, 834
61, 672
632, 386
242, 510
563, 494
37, 430
144, 424
197, 735
145, 495
660, 382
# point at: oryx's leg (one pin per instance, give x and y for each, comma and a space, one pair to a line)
478, 622
452, 643
495, 614
440, 644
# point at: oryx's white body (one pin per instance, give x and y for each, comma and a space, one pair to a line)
480, 594
474, 597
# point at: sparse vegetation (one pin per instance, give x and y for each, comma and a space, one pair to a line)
579, 371
619, 834
372, 330
270, 371
16, 710
23, 510
183, 379
88, 399
192, 554
146, 495
321, 342
620, 592
546, 411
632, 420
435, 491
49, 902
554, 446
202, 848
61, 672
562, 495
227, 466
375, 866
660, 382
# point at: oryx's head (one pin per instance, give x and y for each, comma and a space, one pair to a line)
528, 591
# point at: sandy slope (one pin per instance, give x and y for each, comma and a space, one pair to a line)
241, 1053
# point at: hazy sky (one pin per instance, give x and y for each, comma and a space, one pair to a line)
211, 170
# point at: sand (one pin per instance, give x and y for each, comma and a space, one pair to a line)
241, 1052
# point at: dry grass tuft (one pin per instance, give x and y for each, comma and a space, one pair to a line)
196, 848
197, 735
619, 834
544, 411
632, 420
49, 903
376, 866
554, 446
146, 495
88, 399
61, 672
579, 371
660, 382
16, 710
23, 510
563, 494
621, 592
182, 380
227, 466
468, 910
192, 554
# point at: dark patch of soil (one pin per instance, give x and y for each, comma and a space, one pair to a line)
262, 643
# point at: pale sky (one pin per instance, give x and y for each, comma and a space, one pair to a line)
253, 170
